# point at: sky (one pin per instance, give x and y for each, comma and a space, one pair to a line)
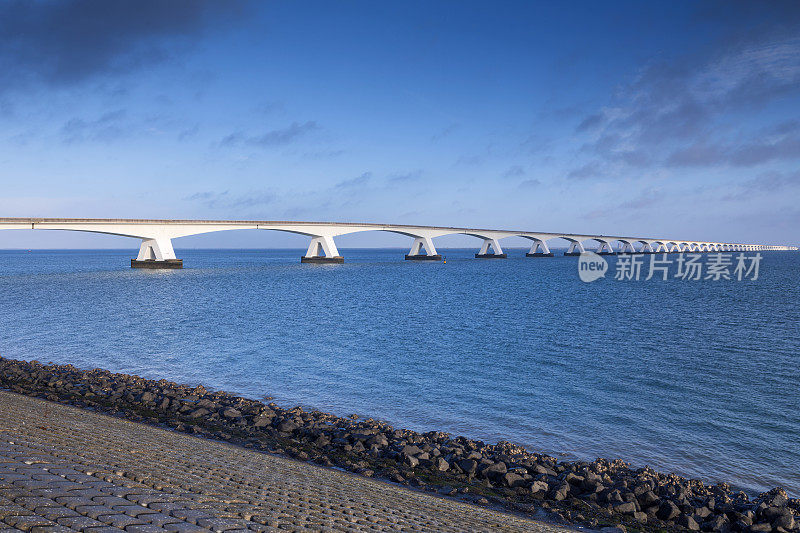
677, 119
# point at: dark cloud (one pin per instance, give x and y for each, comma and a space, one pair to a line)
271, 138
61, 42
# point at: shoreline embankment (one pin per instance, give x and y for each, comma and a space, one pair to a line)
594, 494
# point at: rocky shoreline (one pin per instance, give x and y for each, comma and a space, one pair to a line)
595, 494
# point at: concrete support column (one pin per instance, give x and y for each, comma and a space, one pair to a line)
605, 249
156, 253
322, 249
430, 250
646, 249
497, 251
539, 249
626, 248
575, 248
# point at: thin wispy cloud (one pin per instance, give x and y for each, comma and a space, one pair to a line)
106, 128
277, 137
227, 200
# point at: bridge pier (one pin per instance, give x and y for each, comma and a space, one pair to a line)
497, 251
322, 250
605, 249
416, 250
156, 253
539, 245
646, 248
575, 248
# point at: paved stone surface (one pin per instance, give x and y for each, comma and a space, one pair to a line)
67, 469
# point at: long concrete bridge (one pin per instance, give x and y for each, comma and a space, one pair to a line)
156, 250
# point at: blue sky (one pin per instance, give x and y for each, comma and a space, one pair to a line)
679, 119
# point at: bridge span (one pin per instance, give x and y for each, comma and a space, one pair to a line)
156, 249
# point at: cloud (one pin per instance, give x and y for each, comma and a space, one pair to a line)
469, 160
405, 177
746, 154
106, 128
766, 182
646, 198
514, 171
59, 43
590, 122
225, 200
354, 183
589, 170
445, 132
278, 137
697, 109
530, 184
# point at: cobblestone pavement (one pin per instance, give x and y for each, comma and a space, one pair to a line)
67, 469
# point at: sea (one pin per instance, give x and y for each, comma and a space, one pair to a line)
694, 376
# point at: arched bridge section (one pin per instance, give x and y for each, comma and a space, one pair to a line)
156, 237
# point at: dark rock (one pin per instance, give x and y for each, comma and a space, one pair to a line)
561, 492
410, 450
441, 465
378, 440
702, 512
716, 523
668, 511
539, 486
776, 497
411, 461
511, 479
231, 413
625, 508
687, 522
495, 470
469, 466
287, 426
785, 520
262, 420
648, 499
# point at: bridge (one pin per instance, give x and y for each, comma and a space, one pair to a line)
156, 249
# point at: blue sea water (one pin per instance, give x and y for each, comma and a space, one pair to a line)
694, 377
